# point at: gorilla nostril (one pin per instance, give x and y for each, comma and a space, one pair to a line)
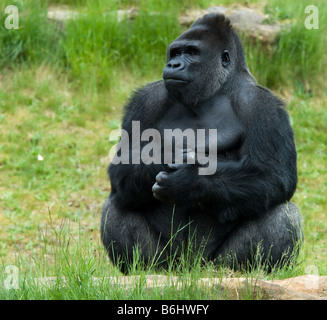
175, 65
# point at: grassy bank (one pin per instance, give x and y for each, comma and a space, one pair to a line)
61, 94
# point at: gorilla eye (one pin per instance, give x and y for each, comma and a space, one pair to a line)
225, 58
174, 53
192, 50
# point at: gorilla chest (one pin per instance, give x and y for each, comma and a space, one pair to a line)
214, 123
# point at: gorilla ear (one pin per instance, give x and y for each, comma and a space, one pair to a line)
225, 58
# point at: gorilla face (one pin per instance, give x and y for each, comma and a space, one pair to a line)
198, 63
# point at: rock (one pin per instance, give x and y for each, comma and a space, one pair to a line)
308, 287
247, 21
62, 14
127, 14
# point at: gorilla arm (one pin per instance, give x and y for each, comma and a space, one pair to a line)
131, 183
264, 176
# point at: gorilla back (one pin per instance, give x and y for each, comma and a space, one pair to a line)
206, 158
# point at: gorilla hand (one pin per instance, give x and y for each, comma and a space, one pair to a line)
178, 185
170, 186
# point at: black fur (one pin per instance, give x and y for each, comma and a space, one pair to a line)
245, 203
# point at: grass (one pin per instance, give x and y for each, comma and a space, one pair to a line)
61, 94
70, 264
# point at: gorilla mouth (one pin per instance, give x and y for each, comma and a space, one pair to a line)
175, 80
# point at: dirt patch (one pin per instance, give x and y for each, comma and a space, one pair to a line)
308, 287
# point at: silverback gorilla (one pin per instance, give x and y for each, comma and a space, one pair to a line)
165, 197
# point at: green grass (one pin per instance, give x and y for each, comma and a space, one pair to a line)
69, 263
299, 57
62, 89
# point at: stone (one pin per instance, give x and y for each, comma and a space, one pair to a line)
62, 14
248, 21
307, 287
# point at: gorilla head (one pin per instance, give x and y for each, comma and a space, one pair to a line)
200, 61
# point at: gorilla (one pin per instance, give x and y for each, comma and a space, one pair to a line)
222, 184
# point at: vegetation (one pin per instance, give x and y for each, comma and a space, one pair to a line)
62, 88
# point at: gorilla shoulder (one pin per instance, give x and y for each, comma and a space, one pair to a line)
145, 100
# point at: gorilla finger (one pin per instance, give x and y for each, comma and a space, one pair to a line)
158, 193
155, 195
161, 176
156, 188
174, 166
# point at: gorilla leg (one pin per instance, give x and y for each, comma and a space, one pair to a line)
124, 234
270, 241
128, 233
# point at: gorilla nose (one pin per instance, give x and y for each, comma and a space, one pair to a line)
174, 69
175, 65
